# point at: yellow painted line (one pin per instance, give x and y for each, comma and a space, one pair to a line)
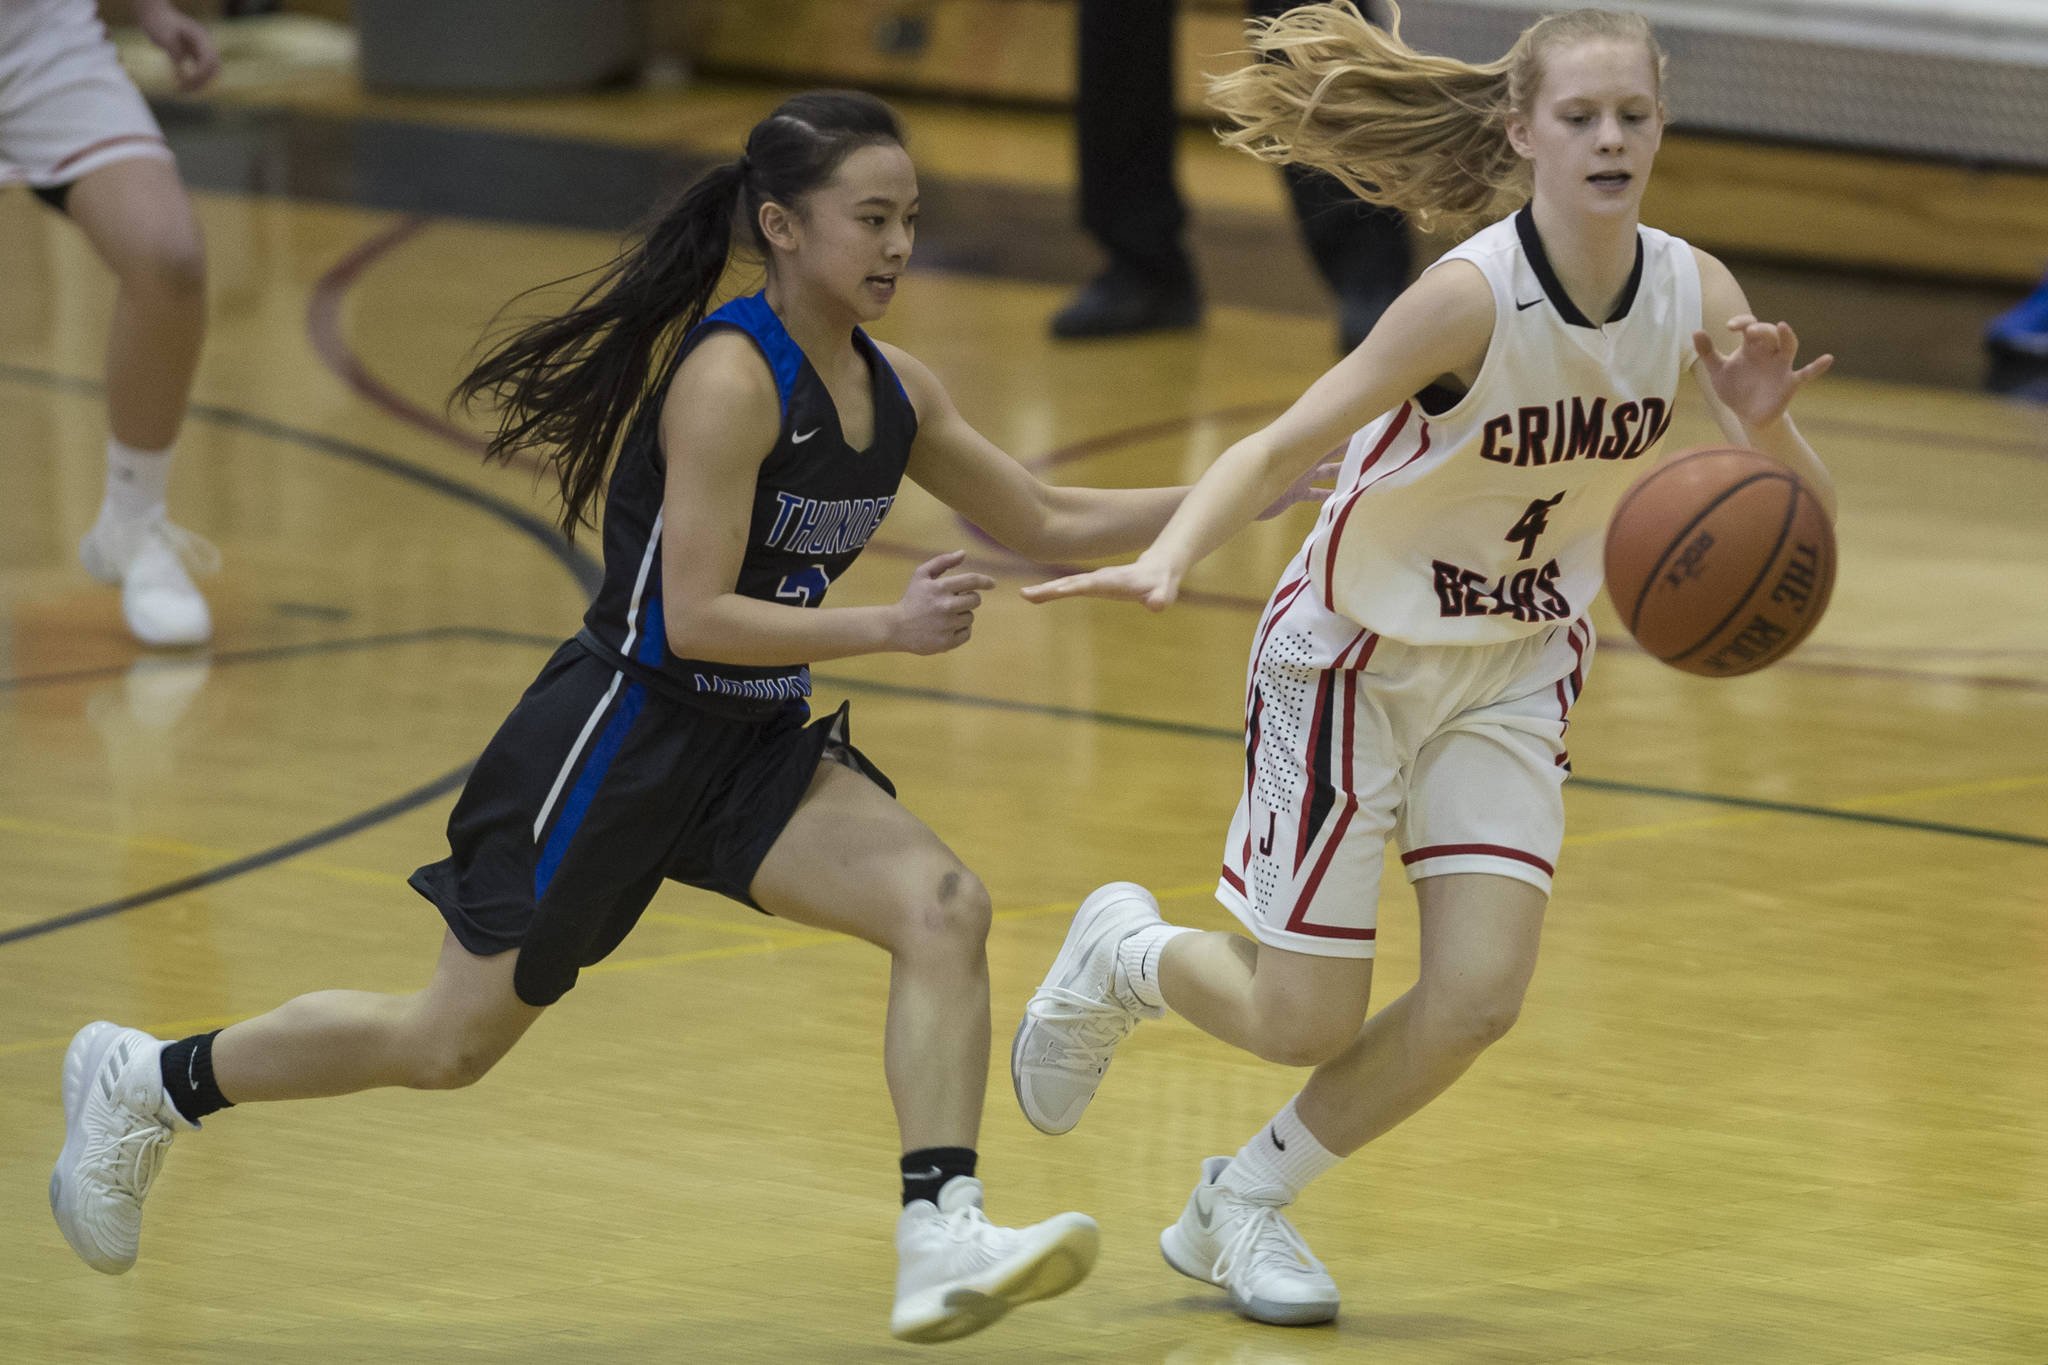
177, 848
181, 1028
2008, 784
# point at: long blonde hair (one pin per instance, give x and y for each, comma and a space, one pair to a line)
1421, 133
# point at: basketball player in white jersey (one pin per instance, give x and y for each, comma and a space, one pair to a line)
1414, 672
74, 129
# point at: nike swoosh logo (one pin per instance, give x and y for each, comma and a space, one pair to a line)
1274, 1133
1205, 1217
933, 1174
1521, 307
803, 436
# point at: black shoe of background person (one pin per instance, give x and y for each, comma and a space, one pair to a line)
1121, 302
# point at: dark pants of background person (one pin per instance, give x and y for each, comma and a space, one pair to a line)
1127, 126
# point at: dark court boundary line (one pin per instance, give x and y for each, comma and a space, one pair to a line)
375, 815
419, 796
587, 572
1236, 736
226, 657
272, 653
581, 566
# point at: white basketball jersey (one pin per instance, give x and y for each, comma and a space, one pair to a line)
1485, 521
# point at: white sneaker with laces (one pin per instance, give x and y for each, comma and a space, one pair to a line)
1081, 1011
956, 1272
154, 562
117, 1128
1239, 1241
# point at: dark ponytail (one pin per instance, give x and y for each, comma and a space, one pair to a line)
567, 387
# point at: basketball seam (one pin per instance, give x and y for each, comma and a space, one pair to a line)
1650, 579
1644, 482
1820, 597
1791, 512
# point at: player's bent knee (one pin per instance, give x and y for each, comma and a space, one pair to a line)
1306, 1041
1474, 1023
953, 912
452, 1065
173, 265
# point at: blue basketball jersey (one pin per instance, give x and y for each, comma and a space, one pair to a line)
816, 503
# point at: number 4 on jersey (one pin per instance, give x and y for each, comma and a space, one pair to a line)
808, 585
1532, 524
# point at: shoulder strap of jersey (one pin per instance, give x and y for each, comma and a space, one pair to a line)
752, 315
875, 357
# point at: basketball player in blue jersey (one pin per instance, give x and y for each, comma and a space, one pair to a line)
1413, 673
671, 737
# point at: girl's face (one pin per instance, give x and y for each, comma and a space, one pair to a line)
851, 237
1593, 127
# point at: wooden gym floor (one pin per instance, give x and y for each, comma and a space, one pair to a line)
1777, 1095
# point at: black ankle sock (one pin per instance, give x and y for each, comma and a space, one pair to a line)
188, 1076
928, 1168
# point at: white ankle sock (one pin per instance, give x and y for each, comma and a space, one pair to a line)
1284, 1155
137, 482
1137, 961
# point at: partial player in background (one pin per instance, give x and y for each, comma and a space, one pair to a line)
74, 129
757, 449
1413, 674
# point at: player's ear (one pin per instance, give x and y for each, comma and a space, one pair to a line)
1518, 136
779, 227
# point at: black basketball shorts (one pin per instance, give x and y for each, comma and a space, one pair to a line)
594, 790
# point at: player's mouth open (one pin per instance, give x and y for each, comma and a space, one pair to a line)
1610, 179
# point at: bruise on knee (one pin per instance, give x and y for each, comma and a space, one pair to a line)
957, 914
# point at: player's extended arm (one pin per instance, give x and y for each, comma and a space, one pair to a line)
1441, 325
1750, 390
972, 475
718, 422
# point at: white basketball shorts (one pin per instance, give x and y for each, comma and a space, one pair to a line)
1455, 751
67, 108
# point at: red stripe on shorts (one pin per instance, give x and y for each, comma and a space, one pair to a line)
1308, 795
1456, 850
1298, 921
102, 144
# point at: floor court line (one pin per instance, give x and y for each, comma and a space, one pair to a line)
448, 782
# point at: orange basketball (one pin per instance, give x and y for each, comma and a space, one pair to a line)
1720, 561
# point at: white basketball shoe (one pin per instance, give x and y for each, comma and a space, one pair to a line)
956, 1272
1239, 1241
153, 561
117, 1128
1081, 1011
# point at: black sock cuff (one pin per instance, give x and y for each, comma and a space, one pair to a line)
187, 1067
926, 1170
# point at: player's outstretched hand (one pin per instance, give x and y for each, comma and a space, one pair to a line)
1315, 484
1757, 382
936, 612
1145, 581
194, 58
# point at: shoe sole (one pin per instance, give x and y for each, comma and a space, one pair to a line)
82, 1059
1075, 946
1258, 1310
1059, 1263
